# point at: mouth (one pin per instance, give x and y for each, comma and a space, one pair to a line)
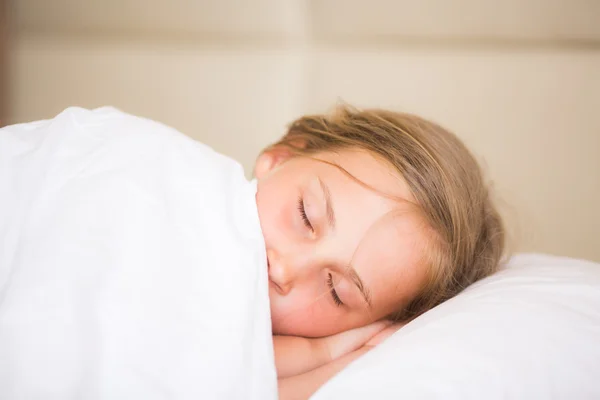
269, 272
272, 283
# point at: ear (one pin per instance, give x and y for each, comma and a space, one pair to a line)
270, 159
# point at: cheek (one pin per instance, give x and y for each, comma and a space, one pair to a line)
277, 219
299, 314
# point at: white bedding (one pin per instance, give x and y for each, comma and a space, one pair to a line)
132, 265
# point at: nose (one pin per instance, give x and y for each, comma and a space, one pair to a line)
281, 273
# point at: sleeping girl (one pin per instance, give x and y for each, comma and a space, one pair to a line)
137, 263
369, 217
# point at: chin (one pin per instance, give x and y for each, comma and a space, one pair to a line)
278, 329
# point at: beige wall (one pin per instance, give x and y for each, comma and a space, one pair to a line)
519, 81
3, 62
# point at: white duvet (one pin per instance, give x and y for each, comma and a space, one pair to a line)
132, 265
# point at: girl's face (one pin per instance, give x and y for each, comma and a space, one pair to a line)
340, 255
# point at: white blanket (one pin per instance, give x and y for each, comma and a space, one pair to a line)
132, 265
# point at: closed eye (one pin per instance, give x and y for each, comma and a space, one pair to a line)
302, 211
336, 298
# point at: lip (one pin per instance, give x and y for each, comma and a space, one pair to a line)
275, 286
271, 282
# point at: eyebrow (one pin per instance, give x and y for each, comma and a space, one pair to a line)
328, 206
364, 291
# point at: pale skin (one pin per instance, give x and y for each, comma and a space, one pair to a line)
341, 258
304, 364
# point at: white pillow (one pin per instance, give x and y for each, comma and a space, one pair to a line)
531, 331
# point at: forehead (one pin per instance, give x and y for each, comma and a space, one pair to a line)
383, 235
390, 257
362, 166
363, 188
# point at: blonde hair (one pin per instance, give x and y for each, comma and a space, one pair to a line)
446, 181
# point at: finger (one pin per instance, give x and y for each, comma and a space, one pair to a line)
384, 334
348, 341
364, 333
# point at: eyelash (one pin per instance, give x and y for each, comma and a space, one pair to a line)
336, 298
303, 214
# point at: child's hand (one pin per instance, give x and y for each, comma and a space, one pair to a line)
340, 350
346, 342
384, 334
297, 355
